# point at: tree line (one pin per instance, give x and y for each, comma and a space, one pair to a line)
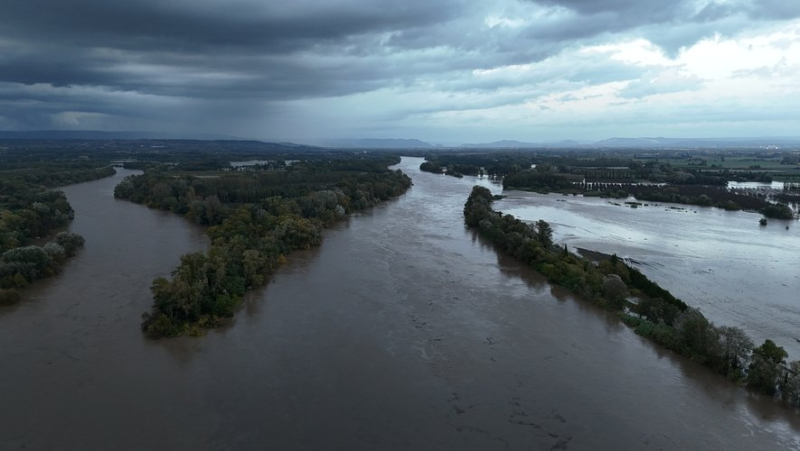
256, 219
30, 209
453, 170
614, 174
642, 304
493, 164
23, 265
546, 179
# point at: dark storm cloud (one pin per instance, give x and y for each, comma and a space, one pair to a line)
266, 50
226, 58
87, 42
196, 60
204, 25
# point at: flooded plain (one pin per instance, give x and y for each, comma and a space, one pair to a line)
737, 272
403, 331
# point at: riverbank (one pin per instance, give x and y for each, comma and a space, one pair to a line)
643, 305
593, 255
737, 272
256, 220
33, 217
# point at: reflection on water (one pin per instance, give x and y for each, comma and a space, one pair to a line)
737, 272
402, 331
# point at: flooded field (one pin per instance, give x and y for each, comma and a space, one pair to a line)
737, 272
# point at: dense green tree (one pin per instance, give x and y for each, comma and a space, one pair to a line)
255, 219
428, 166
69, 241
656, 309
21, 266
735, 348
34, 255
544, 233
615, 290
697, 333
790, 383
778, 211
766, 366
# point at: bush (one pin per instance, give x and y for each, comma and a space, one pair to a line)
9, 297
70, 242
160, 325
765, 369
778, 211
662, 334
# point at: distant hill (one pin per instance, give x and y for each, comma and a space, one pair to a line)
697, 142
504, 144
130, 140
87, 135
375, 143
646, 143
513, 144
379, 143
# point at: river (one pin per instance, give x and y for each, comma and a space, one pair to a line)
403, 331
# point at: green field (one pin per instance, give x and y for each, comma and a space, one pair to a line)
767, 164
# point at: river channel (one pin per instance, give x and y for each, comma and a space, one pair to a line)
403, 331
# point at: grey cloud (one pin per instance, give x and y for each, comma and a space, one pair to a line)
558, 74
669, 24
715, 11
266, 53
40, 107
625, 10
664, 83
222, 63
207, 24
593, 20
776, 9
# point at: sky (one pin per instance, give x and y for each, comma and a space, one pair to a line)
445, 71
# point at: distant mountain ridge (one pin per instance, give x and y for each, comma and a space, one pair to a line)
513, 144
503, 144
100, 135
645, 143
375, 143
410, 143
660, 142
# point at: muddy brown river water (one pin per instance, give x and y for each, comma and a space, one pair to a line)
403, 331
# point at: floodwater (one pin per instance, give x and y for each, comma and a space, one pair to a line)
756, 185
237, 164
403, 331
735, 271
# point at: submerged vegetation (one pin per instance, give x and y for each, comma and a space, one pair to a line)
650, 310
676, 176
256, 218
542, 179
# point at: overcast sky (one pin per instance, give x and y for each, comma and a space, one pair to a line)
438, 70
